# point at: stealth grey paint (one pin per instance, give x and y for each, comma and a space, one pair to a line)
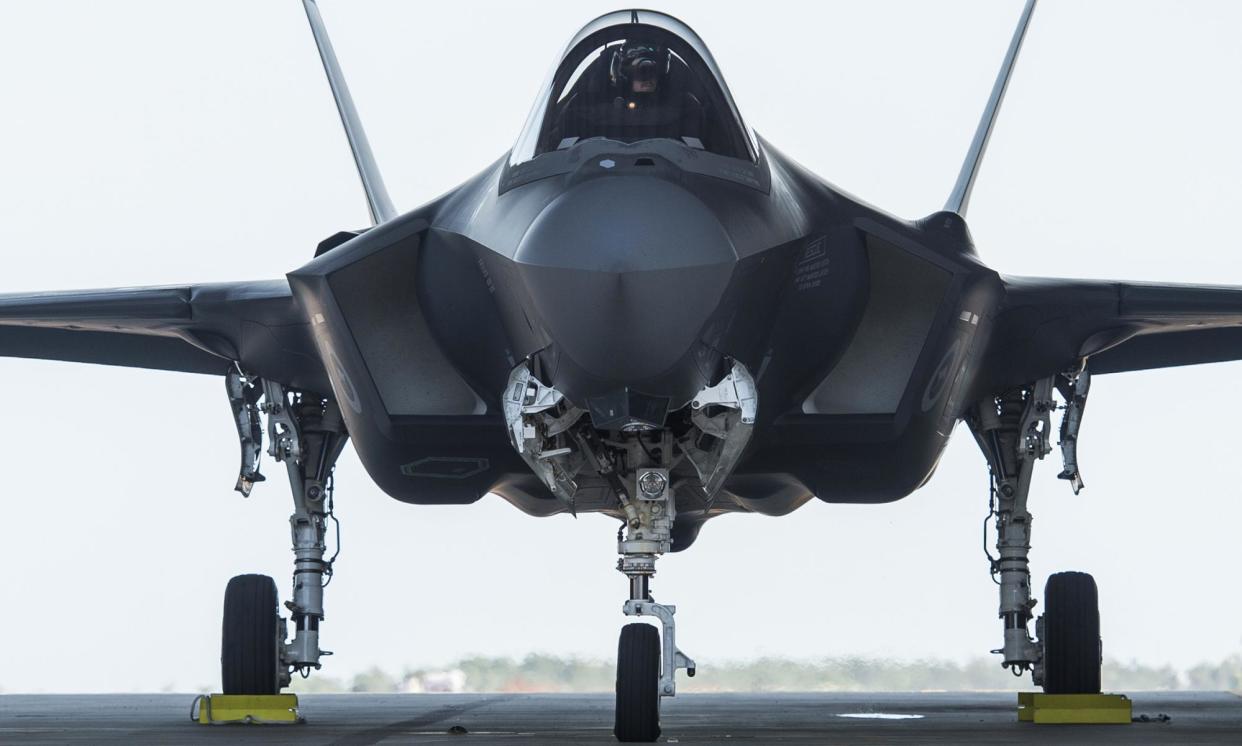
869, 336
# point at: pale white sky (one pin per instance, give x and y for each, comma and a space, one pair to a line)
159, 142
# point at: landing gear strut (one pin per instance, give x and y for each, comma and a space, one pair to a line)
647, 661
307, 433
1013, 431
620, 449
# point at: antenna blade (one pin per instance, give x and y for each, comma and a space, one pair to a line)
960, 197
378, 203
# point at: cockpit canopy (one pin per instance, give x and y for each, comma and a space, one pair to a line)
630, 76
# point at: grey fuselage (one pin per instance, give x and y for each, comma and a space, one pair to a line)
642, 270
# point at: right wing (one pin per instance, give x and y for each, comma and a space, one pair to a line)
1047, 326
188, 328
195, 328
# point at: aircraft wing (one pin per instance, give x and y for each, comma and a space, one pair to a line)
188, 328
1049, 325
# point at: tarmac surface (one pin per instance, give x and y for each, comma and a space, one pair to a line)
820, 718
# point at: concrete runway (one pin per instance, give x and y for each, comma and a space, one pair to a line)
357, 719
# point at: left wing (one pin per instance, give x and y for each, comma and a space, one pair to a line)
188, 328
1047, 326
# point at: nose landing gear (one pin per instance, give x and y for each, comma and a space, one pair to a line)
647, 658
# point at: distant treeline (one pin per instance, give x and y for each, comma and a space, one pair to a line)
545, 673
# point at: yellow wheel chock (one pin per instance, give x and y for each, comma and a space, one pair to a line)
247, 709
1036, 707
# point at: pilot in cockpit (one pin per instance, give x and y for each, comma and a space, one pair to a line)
653, 96
639, 65
634, 90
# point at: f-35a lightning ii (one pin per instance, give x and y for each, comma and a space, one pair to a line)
646, 310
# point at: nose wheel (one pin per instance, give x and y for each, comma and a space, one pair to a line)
638, 684
647, 656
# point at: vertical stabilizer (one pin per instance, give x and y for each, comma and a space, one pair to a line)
960, 197
378, 202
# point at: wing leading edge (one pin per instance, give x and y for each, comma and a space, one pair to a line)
189, 328
1048, 326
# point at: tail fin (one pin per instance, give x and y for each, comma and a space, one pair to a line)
970, 168
378, 202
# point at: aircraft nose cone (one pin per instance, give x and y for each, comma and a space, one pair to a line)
625, 273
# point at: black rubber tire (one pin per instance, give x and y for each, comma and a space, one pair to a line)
1072, 646
249, 647
638, 682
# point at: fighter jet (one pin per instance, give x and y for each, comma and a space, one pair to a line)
646, 310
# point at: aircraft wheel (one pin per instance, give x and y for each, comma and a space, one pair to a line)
638, 681
1073, 651
250, 643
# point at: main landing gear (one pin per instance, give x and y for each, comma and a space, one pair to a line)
1013, 431
647, 658
306, 433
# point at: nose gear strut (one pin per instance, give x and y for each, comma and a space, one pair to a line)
628, 471
646, 665
639, 548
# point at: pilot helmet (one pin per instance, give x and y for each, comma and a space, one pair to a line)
639, 62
